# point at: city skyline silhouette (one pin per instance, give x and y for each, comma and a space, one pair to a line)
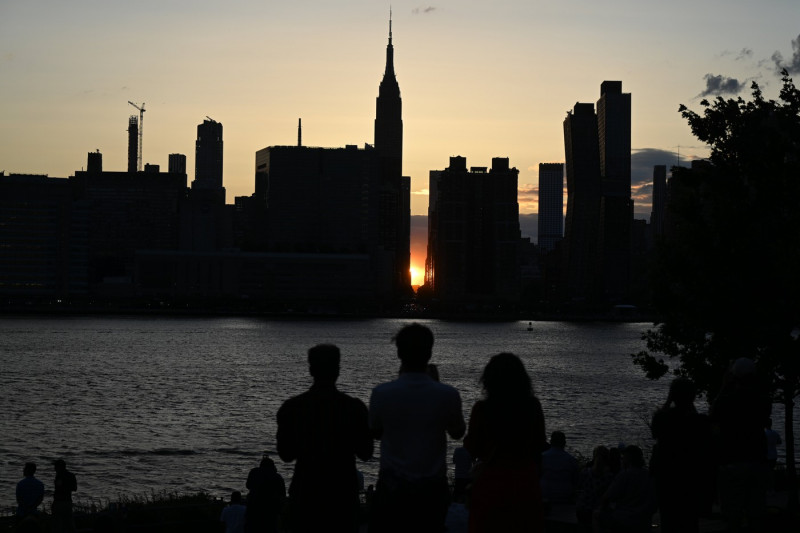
478, 82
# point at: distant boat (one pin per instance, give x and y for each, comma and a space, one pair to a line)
530, 326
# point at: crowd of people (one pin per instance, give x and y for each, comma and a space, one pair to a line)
507, 474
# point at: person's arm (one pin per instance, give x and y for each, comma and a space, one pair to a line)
375, 424
475, 441
39, 495
286, 435
363, 438
456, 427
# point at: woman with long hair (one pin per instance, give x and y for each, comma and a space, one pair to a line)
506, 435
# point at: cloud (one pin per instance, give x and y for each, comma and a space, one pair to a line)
423, 10
745, 53
718, 85
422, 192
644, 159
793, 66
528, 198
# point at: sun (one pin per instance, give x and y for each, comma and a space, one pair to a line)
417, 276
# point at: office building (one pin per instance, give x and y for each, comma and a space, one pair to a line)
597, 258
659, 199
551, 205
474, 236
133, 143
580, 258
177, 164
208, 156
614, 143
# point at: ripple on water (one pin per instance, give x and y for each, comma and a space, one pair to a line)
137, 405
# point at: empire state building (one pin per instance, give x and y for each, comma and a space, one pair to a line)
395, 201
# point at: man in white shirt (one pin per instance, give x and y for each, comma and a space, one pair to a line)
412, 417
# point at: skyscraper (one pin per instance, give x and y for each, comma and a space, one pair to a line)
583, 202
177, 164
659, 199
395, 212
551, 205
208, 156
473, 232
614, 142
133, 143
599, 206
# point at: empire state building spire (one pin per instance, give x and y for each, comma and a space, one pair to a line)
388, 116
389, 82
394, 224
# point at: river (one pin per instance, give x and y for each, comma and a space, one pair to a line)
142, 404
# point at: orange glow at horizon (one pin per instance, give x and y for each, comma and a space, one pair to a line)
417, 275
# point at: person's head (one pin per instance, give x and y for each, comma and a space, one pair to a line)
414, 347
236, 497
558, 439
29, 469
682, 392
323, 362
505, 376
632, 457
600, 458
268, 464
59, 465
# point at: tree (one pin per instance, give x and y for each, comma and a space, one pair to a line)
727, 271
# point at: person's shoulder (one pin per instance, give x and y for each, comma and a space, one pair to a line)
384, 387
352, 401
444, 388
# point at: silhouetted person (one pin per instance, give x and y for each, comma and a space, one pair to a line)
506, 435
412, 417
63, 487
30, 492
233, 515
265, 498
324, 430
681, 459
738, 415
560, 471
593, 482
630, 501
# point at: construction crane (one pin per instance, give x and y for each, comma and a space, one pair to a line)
141, 130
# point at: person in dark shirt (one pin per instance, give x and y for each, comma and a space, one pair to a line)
738, 416
30, 492
267, 492
506, 435
323, 430
681, 459
63, 487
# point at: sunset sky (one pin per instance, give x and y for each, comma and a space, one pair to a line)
478, 79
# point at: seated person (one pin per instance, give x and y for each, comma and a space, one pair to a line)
560, 471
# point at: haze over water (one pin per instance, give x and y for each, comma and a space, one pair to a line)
187, 404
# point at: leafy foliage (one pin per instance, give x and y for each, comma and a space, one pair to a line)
727, 272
